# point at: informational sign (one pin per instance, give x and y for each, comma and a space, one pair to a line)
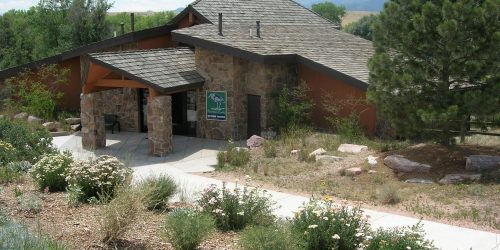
216, 105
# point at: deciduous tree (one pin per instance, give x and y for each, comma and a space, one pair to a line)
330, 11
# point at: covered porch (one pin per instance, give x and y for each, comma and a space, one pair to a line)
158, 97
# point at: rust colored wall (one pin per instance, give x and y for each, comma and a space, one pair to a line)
319, 84
72, 90
164, 41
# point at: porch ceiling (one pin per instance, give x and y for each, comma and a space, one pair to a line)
164, 70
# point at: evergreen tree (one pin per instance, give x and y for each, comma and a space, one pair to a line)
436, 62
330, 11
362, 28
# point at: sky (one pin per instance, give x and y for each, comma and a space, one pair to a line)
119, 5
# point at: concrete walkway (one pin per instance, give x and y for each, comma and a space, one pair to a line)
198, 155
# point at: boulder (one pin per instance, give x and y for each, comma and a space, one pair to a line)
73, 121
352, 148
372, 160
52, 126
34, 120
459, 178
354, 171
255, 141
21, 116
76, 127
419, 181
482, 163
295, 152
328, 158
400, 164
319, 151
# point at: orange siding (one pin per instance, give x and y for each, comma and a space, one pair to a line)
72, 90
319, 84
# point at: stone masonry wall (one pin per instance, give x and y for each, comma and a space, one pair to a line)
124, 103
93, 129
160, 125
239, 78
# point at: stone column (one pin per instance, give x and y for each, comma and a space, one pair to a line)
160, 125
93, 129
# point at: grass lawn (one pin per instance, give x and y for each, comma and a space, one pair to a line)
474, 205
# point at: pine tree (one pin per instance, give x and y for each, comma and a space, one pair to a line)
436, 63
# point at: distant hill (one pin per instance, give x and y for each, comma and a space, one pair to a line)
351, 5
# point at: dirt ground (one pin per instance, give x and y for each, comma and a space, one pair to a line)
78, 227
473, 205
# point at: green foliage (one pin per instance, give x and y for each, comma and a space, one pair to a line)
7, 175
294, 107
234, 156
234, 209
270, 149
142, 20
29, 203
30, 143
35, 92
400, 238
435, 64
157, 191
7, 152
74, 195
330, 11
276, 237
362, 28
305, 156
185, 229
325, 225
19, 166
51, 171
344, 115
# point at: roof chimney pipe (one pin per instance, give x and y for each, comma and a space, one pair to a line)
258, 29
122, 28
220, 24
132, 22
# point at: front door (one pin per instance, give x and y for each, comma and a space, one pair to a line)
253, 110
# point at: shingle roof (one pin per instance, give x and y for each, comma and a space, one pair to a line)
164, 69
266, 11
319, 44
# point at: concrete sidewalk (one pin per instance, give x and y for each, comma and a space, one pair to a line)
202, 157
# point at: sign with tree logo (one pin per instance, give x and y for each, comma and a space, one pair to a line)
216, 105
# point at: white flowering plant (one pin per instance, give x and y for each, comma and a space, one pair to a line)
50, 171
98, 178
234, 209
406, 238
6, 152
326, 225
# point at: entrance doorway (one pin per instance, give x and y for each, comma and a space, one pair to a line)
253, 111
184, 113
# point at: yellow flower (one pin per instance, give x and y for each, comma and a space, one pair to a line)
327, 198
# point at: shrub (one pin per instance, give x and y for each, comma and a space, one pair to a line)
270, 149
277, 237
30, 143
400, 238
235, 156
119, 214
221, 159
234, 209
74, 195
324, 225
304, 156
156, 191
7, 152
29, 203
294, 106
51, 171
185, 229
20, 166
347, 126
8, 175
98, 178
15, 236
389, 194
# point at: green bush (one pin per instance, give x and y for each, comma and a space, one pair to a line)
294, 107
51, 171
389, 194
30, 143
19, 166
7, 152
234, 209
400, 238
277, 237
270, 149
157, 191
349, 128
324, 225
185, 229
98, 178
7, 175
234, 156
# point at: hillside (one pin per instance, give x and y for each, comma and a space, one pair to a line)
351, 5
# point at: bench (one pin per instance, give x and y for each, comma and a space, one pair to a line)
110, 121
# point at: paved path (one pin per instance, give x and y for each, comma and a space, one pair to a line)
198, 155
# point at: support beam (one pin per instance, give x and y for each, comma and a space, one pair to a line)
113, 83
160, 125
93, 129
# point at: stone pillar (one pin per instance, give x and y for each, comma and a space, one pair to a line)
160, 125
93, 129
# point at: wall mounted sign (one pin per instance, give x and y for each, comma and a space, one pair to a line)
216, 105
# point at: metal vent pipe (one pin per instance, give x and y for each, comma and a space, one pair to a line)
220, 24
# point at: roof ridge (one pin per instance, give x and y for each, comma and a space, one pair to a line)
140, 50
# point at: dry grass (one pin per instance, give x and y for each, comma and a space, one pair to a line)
353, 16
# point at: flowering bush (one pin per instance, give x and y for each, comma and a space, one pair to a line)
325, 225
276, 237
411, 238
233, 209
98, 178
6, 152
185, 228
51, 170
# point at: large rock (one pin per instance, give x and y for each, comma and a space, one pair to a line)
21, 116
319, 151
52, 126
76, 127
459, 178
328, 158
482, 163
255, 141
401, 164
353, 171
419, 181
73, 121
34, 120
352, 148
